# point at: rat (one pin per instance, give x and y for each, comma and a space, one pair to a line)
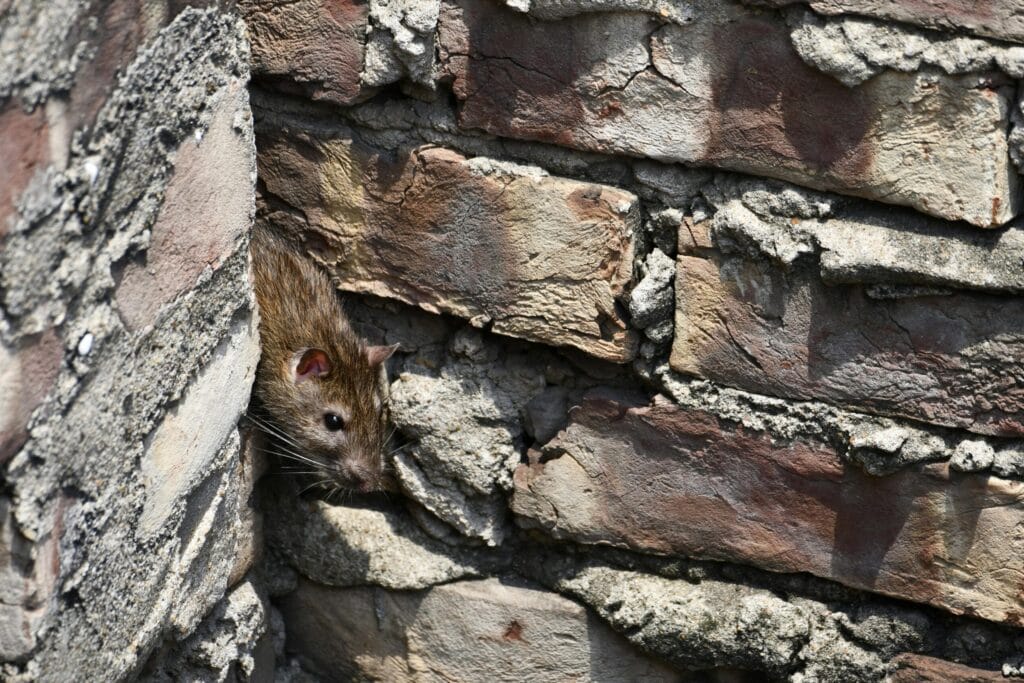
320, 386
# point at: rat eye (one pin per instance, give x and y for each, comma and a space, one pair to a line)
333, 422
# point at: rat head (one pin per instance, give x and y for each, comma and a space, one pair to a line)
338, 416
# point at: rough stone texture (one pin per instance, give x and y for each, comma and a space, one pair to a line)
401, 42
709, 624
856, 242
667, 480
950, 359
478, 397
359, 546
310, 47
853, 49
533, 256
878, 445
489, 630
729, 90
999, 18
100, 443
231, 644
560, 9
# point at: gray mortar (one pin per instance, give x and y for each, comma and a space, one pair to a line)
671, 11
375, 545
231, 642
853, 49
85, 446
400, 42
652, 302
879, 445
465, 431
37, 56
708, 624
855, 242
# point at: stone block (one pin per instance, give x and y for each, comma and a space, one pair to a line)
728, 90
535, 256
204, 218
347, 546
949, 358
310, 47
911, 668
26, 375
489, 630
662, 479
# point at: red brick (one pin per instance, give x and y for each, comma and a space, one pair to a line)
535, 256
26, 376
910, 668
666, 480
309, 47
24, 148
205, 215
950, 360
728, 90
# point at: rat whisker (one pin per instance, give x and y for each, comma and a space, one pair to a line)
288, 453
320, 465
320, 482
271, 429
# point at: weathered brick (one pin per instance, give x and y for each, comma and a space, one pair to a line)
951, 360
995, 18
27, 374
538, 257
666, 480
310, 47
489, 630
205, 216
911, 668
24, 147
728, 90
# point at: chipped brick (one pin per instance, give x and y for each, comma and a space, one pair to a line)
728, 90
661, 479
537, 257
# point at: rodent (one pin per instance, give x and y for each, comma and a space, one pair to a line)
320, 389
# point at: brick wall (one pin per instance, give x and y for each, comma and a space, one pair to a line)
710, 324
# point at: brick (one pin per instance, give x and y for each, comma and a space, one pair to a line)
312, 48
951, 360
490, 630
537, 257
997, 18
27, 373
205, 216
911, 668
24, 147
728, 90
661, 479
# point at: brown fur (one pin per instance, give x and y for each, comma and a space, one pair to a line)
299, 311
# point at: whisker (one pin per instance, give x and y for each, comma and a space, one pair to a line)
301, 458
320, 482
271, 429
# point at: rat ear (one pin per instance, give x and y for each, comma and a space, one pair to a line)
378, 354
309, 364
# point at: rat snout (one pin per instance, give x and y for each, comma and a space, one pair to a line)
358, 476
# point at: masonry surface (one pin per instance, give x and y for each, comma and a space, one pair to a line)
710, 320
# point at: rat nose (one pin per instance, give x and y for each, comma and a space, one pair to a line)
357, 476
